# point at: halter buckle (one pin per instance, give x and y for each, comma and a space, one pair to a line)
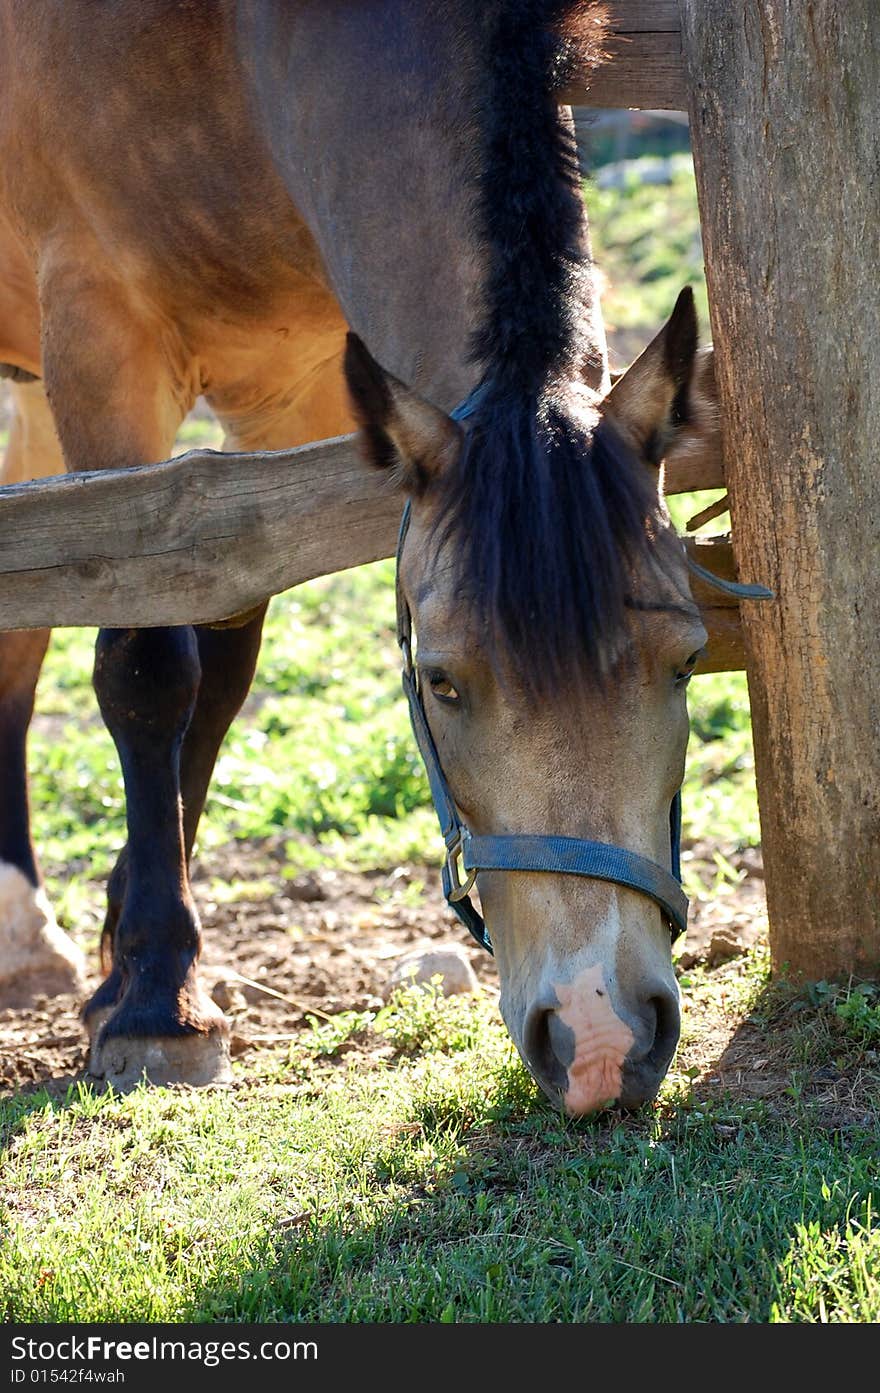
458, 888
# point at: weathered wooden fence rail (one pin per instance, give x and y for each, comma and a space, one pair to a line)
207, 534
643, 64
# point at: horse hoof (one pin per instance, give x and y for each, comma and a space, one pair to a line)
123, 1062
36, 957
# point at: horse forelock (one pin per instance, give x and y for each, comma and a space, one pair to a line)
547, 522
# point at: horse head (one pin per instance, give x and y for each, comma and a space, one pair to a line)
579, 733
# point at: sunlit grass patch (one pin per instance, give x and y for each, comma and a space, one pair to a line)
400, 1165
641, 273
832, 1273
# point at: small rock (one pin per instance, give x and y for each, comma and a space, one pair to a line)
724, 945
451, 965
828, 1074
306, 888
400, 876
228, 997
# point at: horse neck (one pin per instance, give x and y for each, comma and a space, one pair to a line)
371, 113
368, 114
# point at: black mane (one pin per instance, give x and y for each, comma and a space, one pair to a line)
547, 518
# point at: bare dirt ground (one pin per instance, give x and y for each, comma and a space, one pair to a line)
323, 943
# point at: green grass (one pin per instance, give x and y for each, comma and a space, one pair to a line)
646, 245
399, 1167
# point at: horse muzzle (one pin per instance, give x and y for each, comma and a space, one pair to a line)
587, 1053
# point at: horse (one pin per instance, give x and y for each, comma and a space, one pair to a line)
326, 215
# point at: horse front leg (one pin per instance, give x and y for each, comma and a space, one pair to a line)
119, 388
150, 1018
228, 656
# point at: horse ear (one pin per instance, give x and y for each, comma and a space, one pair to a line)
697, 438
400, 430
663, 396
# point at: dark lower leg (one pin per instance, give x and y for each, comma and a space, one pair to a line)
21, 656
228, 658
146, 682
36, 957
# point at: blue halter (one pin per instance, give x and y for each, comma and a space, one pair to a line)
467, 854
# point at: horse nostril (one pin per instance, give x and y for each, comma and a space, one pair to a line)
659, 1026
662, 1021
562, 1044
608, 1055
545, 1049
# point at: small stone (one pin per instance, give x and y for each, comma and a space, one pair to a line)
828, 1074
724, 945
451, 965
400, 876
228, 997
306, 888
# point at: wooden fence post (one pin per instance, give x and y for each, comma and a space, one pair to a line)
785, 115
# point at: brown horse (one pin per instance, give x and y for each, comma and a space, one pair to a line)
202, 198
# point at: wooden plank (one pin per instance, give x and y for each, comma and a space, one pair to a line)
687, 475
207, 535
792, 249
643, 16
199, 537
716, 555
641, 71
725, 650
191, 540
643, 65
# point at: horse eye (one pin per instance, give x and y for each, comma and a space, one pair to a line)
683, 676
442, 688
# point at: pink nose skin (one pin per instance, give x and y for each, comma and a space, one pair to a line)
602, 1042
585, 1055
